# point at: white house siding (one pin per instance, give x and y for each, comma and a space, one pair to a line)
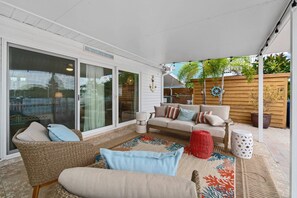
21, 34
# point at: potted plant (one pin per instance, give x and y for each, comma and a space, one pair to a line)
270, 95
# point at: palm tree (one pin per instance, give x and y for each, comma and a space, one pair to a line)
187, 72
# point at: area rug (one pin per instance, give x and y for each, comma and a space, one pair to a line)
217, 173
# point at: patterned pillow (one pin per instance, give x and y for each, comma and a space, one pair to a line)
201, 117
172, 112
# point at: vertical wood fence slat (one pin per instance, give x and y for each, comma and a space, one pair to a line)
237, 95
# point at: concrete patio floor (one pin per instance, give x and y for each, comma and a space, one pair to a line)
275, 150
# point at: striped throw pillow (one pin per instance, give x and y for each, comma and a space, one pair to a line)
201, 117
172, 112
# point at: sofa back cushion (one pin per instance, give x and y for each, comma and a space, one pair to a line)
97, 182
143, 161
160, 111
172, 112
220, 110
170, 104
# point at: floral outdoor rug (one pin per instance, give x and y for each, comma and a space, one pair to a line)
217, 173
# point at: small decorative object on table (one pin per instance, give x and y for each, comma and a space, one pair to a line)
141, 122
242, 143
201, 144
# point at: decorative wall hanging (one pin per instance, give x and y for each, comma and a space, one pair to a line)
216, 91
153, 86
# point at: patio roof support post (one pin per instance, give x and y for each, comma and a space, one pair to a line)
260, 99
293, 106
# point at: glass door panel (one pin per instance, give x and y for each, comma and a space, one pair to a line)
128, 96
96, 97
41, 89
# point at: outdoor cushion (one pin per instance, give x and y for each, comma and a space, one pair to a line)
186, 115
181, 125
195, 108
170, 104
214, 120
213, 130
172, 112
160, 111
159, 121
60, 133
98, 183
35, 132
143, 161
200, 118
219, 110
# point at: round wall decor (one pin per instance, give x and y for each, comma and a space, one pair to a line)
216, 91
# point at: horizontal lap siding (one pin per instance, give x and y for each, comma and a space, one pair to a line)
237, 95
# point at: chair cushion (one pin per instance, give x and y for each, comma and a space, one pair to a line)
143, 161
186, 115
181, 125
219, 110
160, 111
60, 133
96, 182
213, 130
35, 132
214, 120
159, 121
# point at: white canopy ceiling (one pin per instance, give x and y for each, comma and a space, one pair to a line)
157, 31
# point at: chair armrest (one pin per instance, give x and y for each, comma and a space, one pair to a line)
195, 179
151, 115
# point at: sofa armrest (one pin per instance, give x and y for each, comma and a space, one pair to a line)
228, 122
195, 179
151, 115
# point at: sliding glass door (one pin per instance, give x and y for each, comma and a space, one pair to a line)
96, 97
128, 95
41, 89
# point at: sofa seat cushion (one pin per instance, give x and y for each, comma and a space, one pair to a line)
181, 125
159, 121
96, 182
213, 130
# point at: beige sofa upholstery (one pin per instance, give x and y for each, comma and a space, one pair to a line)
219, 133
96, 183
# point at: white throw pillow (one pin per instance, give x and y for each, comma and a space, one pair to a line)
35, 132
214, 120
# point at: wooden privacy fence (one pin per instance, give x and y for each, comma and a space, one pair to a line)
178, 95
238, 95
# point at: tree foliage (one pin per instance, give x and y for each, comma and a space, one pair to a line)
275, 63
188, 72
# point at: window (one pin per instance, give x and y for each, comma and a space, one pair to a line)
128, 96
96, 97
41, 89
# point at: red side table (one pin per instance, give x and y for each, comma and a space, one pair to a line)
201, 144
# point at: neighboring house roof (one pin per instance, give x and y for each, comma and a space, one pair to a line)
171, 81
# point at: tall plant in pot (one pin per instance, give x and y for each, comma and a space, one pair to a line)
271, 94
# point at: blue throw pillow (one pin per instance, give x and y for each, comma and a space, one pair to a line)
143, 161
60, 133
186, 115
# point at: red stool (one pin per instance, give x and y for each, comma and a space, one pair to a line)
201, 144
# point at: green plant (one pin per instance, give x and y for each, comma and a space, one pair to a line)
188, 72
274, 63
271, 94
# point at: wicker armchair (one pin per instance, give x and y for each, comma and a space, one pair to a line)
44, 161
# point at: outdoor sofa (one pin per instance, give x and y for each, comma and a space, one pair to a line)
219, 133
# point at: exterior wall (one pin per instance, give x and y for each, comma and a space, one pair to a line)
28, 36
237, 95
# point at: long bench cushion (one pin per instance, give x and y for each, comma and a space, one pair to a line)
181, 125
159, 121
214, 131
95, 182
221, 111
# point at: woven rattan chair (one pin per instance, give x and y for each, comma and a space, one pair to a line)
44, 161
